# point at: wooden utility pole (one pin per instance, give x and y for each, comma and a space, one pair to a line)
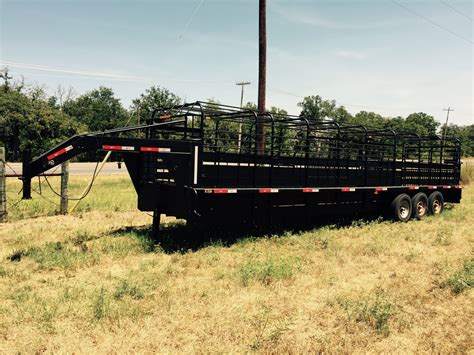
64, 188
262, 68
242, 85
449, 109
3, 190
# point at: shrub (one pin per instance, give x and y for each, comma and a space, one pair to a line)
268, 271
125, 289
100, 304
463, 279
375, 312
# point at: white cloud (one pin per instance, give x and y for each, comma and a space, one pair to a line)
317, 19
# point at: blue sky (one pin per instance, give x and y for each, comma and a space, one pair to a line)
368, 55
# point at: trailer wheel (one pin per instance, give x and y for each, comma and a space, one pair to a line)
436, 202
419, 205
401, 208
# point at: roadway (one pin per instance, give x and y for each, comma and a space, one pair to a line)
75, 169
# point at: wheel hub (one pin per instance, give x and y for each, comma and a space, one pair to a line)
421, 208
404, 211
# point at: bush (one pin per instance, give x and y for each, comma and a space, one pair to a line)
268, 271
463, 279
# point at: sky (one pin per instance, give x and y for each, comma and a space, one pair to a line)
393, 57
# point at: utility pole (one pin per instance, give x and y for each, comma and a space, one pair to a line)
449, 109
242, 85
262, 68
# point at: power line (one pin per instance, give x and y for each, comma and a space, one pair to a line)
432, 22
190, 19
298, 96
111, 76
456, 10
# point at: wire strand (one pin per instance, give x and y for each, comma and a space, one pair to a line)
456, 10
190, 20
432, 22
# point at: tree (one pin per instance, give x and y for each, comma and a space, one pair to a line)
154, 97
98, 110
369, 120
61, 97
465, 134
312, 108
421, 123
33, 124
315, 108
6, 79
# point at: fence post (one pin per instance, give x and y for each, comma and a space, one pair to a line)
64, 183
3, 190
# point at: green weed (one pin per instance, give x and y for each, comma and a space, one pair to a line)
444, 236
463, 279
375, 312
124, 288
56, 254
268, 271
100, 304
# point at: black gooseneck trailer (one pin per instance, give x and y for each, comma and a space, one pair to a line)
202, 162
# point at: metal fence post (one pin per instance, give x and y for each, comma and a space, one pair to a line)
3, 190
64, 187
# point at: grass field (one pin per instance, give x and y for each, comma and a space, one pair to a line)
94, 282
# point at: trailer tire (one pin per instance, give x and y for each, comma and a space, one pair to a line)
419, 205
436, 202
401, 208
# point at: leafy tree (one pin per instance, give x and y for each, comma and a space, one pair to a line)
369, 119
315, 108
465, 134
31, 123
98, 110
154, 97
312, 108
421, 123
6, 79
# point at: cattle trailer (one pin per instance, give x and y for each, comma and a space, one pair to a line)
209, 164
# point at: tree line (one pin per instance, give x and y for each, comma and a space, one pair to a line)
29, 118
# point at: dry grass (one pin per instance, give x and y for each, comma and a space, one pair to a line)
87, 283
467, 171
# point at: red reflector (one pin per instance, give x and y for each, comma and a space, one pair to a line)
59, 152
348, 189
446, 187
457, 186
413, 187
117, 147
380, 189
431, 187
267, 191
225, 191
308, 189
155, 149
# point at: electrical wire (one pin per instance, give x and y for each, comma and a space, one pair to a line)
346, 104
456, 10
190, 20
432, 22
117, 77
